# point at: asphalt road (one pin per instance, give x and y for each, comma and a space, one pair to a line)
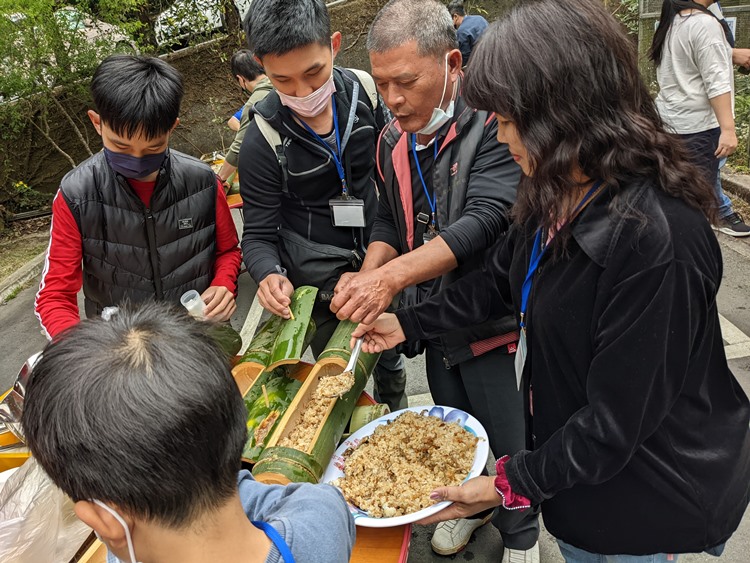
20, 336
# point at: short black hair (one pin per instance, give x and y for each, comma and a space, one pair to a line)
140, 411
135, 94
275, 27
244, 64
456, 7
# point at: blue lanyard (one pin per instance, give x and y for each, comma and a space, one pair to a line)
432, 201
537, 251
337, 153
276, 539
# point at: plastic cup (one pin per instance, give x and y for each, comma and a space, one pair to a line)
192, 301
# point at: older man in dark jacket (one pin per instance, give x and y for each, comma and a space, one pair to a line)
445, 189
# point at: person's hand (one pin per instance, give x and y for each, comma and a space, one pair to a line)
383, 334
275, 294
741, 57
727, 144
474, 496
220, 304
362, 297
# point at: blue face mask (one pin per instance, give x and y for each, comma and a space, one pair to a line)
134, 166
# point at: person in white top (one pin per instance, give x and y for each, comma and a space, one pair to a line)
693, 53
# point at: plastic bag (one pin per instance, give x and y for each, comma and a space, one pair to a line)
37, 522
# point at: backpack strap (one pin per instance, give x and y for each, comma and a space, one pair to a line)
368, 84
273, 139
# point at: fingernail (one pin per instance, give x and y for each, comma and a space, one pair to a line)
434, 495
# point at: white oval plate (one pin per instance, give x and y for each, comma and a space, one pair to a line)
336, 466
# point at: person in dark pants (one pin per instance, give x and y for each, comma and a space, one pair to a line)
468, 28
445, 189
693, 53
641, 445
307, 166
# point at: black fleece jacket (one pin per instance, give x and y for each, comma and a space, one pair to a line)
641, 440
312, 178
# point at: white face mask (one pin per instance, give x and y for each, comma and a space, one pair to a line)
439, 116
312, 104
116, 516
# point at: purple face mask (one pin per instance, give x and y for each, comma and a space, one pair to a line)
134, 166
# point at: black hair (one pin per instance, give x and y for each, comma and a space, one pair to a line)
137, 94
140, 411
244, 64
276, 27
585, 105
669, 9
456, 7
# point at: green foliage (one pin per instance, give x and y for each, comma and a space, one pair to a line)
627, 12
25, 198
49, 54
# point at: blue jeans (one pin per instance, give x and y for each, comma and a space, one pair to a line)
701, 148
573, 554
725, 205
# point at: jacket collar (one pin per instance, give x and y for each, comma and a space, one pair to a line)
597, 228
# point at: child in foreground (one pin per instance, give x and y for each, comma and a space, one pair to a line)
145, 436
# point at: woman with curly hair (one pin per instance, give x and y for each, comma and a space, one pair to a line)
640, 446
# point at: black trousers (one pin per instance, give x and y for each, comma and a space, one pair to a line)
485, 387
389, 376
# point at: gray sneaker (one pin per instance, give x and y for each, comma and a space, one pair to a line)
452, 536
733, 225
521, 556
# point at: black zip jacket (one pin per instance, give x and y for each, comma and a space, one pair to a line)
641, 430
312, 180
474, 183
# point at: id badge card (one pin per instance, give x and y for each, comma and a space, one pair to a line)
520, 360
349, 212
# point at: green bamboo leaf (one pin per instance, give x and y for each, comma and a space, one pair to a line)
290, 340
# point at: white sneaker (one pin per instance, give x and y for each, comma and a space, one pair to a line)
452, 536
521, 556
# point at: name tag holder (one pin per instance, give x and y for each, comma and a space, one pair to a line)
347, 211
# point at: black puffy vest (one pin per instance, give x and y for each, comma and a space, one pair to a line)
134, 252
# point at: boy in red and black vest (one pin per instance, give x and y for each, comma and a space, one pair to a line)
137, 220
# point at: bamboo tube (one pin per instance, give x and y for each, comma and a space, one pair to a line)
279, 341
276, 464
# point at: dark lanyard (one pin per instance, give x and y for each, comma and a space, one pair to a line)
538, 250
276, 539
336, 154
432, 201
